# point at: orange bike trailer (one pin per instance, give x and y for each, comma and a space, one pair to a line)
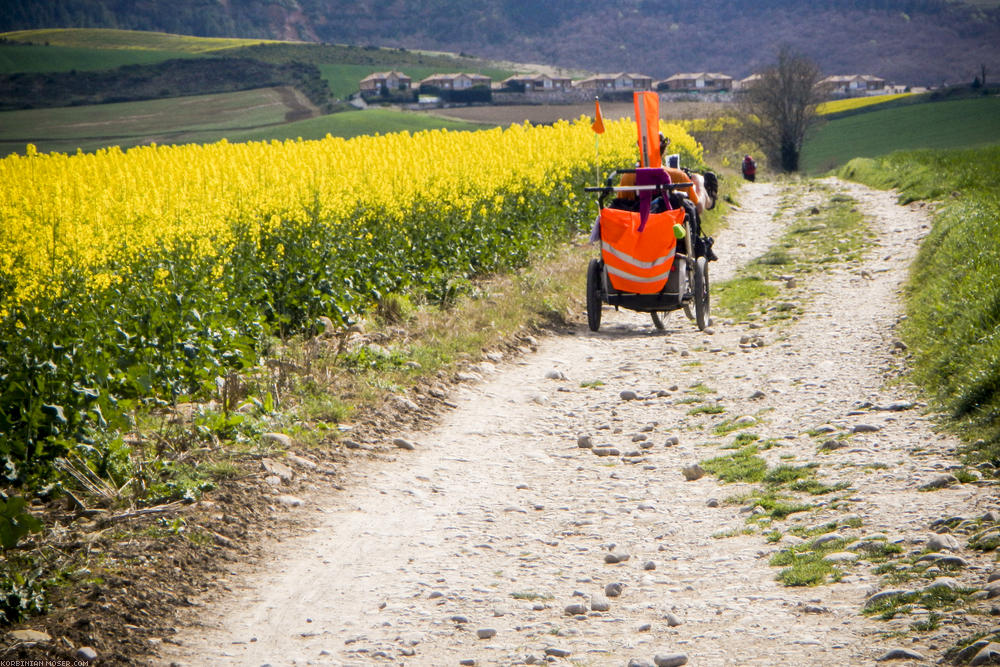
638, 258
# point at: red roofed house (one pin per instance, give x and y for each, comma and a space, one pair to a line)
458, 81
699, 81
376, 82
619, 81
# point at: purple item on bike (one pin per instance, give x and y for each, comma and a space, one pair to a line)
649, 176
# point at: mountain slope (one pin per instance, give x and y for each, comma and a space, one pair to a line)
919, 42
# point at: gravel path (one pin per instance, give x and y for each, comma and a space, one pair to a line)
473, 547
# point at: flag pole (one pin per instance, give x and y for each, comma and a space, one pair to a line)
597, 159
598, 127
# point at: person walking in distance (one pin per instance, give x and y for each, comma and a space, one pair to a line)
749, 168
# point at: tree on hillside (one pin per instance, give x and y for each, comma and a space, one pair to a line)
780, 106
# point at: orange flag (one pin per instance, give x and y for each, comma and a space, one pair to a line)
647, 119
598, 125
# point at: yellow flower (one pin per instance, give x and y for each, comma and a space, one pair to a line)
75, 212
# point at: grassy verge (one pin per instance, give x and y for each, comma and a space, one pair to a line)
417, 343
953, 294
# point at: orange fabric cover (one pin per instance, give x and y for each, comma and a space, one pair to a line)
638, 263
678, 176
627, 180
647, 120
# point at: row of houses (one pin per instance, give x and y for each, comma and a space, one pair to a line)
379, 82
622, 81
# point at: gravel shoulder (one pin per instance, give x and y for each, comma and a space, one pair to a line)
471, 546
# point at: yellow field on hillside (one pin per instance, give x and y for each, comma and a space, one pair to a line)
851, 103
105, 38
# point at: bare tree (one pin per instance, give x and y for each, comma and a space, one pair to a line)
780, 106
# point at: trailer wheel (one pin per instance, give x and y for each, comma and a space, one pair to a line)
594, 301
701, 297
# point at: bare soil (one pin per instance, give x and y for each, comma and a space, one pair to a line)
299, 106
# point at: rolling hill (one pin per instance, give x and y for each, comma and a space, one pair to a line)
918, 42
70, 89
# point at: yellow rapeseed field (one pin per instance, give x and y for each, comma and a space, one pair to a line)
851, 103
73, 212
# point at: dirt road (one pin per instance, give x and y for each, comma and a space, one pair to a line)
472, 547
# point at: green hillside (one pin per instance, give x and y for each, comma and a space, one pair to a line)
102, 38
910, 42
253, 115
342, 66
950, 124
16, 58
33, 61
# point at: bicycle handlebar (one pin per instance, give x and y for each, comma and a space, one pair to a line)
608, 188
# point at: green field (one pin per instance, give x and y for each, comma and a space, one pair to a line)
342, 67
170, 121
244, 116
950, 124
354, 123
101, 38
16, 58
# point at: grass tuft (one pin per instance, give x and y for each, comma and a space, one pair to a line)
741, 466
714, 409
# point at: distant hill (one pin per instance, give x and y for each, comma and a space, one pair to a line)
918, 42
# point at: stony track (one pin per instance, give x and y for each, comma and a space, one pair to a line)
473, 547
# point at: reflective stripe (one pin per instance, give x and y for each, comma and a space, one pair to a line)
635, 262
647, 118
638, 279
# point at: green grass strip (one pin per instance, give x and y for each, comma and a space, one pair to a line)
830, 233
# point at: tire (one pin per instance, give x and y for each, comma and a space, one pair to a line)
658, 318
701, 298
594, 301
